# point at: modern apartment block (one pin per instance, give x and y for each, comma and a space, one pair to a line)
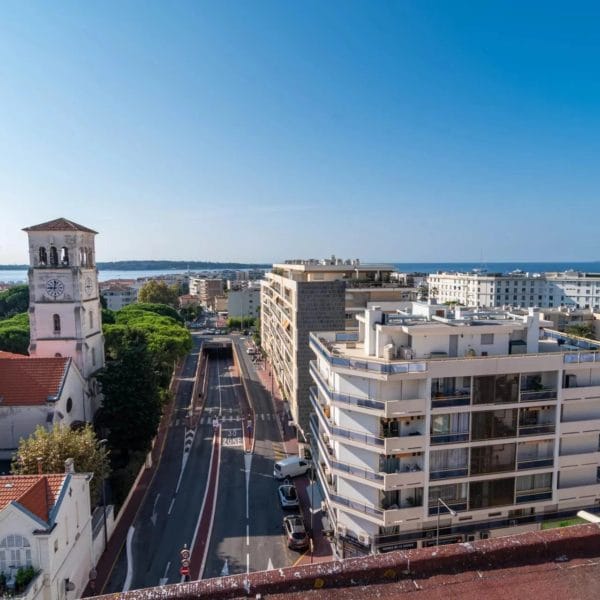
206, 289
569, 289
453, 424
298, 297
244, 302
119, 293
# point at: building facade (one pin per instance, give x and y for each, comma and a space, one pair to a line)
455, 425
571, 289
206, 289
119, 293
244, 302
298, 297
45, 523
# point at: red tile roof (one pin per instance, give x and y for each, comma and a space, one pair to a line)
37, 493
31, 381
60, 224
11, 355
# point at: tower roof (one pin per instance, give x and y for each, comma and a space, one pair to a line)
60, 224
36, 493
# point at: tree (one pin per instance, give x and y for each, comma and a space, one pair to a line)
14, 334
580, 330
241, 322
53, 447
159, 292
132, 404
129, 311
13, 301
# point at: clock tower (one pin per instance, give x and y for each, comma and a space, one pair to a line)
64, 303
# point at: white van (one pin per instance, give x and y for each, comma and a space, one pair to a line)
291, 467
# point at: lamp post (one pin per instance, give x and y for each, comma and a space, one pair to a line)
452, 512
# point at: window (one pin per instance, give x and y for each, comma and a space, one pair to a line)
43, 256
487, 339
94, 356
64, 256
56, 323
15, 551
91, 320
53, 257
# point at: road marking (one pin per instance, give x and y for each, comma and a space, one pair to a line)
247, 563
154, 513
225, 569
270, 566
247, 535
301, 557
171, 505
176, 422
262, 416
129, 554
247, 464
164, 578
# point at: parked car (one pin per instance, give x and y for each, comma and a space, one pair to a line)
288, 496
290, 467
295, 532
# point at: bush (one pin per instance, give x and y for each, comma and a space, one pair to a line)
23, 578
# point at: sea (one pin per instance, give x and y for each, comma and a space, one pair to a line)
20, 275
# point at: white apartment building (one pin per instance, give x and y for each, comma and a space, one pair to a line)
244, 302
206, 289
571, 289
297, 297
119, 293
488, 414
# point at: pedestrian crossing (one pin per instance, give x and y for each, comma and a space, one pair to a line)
206, 419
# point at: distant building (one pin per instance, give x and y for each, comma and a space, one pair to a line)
297, 297
206, 289
244, 302
571, 289
45, 523
188, 300
119, 293
491, 415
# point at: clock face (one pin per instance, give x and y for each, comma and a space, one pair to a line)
55, 288
88, 286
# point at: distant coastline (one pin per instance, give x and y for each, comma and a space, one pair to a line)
159, 265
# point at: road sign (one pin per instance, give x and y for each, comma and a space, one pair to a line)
185, 553
184, 571
185, 562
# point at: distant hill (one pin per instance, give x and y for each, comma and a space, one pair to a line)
151, 265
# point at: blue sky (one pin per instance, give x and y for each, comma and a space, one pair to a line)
259, 131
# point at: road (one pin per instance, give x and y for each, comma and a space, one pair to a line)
246, 532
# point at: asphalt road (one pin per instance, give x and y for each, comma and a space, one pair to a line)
246, 533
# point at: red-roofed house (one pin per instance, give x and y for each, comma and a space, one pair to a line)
38, 391
45, 523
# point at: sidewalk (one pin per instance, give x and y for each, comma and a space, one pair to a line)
322, 551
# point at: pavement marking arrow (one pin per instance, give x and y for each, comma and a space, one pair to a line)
270, 566
154, 511
225, 569
247, 464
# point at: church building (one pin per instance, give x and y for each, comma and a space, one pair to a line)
56, 383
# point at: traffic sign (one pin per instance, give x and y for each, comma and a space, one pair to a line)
184, 571
185, 553
185, 562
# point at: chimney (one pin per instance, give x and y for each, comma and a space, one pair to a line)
69, 466
40, 460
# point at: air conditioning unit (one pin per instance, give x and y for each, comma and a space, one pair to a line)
342, 530
364, 539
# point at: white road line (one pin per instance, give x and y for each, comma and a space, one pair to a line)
247, 563
164, 578
129, 554
171, 505
247, 464
247, 535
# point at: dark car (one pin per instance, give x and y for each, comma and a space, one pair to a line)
295, 532
288, 496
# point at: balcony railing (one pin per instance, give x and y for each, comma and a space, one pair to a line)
535, 463
537, 429
456, 399
533, 495
457, 505
449, 438
535, 395
449, 473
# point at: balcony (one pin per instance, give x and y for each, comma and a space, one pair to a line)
535, 463
538, 395
534, 495
449, 438
449, 473
536, 429
585, 494
405, 408
451, 398
411, 442
457, 505
581, 392
393, 481
585, 424
579, 460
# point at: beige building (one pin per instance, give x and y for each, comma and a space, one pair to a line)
302, 296
206, 289
453, 424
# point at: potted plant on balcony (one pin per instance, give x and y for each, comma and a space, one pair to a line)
23, 578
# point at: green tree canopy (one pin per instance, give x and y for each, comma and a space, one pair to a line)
159, 309
581, 330
55, 446
14, 334
159, 292
132, 405
13, 301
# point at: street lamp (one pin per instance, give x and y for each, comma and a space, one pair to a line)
452, 512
